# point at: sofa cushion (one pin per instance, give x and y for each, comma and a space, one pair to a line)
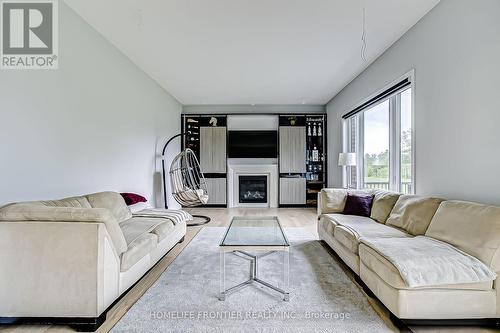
163, 230
132, 198
333, 199
383, 203
413, 213
471, 227
139, 225
77, 202
137, 250
345, 237
377, 263
112, 201
349, 233
359, 205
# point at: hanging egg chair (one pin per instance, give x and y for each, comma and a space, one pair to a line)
188, 184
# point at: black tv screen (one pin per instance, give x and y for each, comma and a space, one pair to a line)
253, 144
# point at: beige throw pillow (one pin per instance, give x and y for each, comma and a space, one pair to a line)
112, 201
333, 200
383, 202
413, 213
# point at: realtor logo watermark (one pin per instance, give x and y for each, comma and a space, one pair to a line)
29, 33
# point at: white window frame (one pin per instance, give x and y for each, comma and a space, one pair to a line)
394, 136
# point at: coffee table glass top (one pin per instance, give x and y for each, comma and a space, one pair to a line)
255, 231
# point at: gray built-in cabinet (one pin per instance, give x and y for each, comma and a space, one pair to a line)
216, 188
213, 149
292, 149
292, 161
292, 191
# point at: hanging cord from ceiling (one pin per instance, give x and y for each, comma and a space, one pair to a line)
363, 37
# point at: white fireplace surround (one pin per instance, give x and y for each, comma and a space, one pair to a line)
236, 170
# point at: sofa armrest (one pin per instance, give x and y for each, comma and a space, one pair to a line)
57, 269
320, 205
33, 212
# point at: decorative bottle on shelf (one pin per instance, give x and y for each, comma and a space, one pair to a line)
315, 154
319, 130
314, 130
309, 133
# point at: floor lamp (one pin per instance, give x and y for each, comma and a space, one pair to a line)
347, 160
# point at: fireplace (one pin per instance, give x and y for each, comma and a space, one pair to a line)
252, 189
260, 169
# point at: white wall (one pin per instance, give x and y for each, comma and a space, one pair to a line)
455, 51
260, 122
92, 125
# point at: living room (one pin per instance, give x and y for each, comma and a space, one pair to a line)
242, 166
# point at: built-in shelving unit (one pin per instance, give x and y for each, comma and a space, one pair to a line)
302, 158
206, 135
301, 155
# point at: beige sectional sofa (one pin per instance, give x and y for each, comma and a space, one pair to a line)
72, 258
398, 222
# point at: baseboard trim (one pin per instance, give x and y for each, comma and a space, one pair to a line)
482, 322
80, 324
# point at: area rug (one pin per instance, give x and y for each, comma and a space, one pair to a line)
185, 297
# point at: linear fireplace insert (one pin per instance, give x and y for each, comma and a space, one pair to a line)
252, 189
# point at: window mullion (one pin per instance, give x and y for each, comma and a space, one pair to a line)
346, 133
360, 168
395, 145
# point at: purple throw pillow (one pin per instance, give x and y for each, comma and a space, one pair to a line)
132, 198
358, 204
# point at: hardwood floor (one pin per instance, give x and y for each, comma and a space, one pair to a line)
220, 217
289, 217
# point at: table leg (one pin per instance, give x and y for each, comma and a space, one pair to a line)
286, 275
255, 267
222, 282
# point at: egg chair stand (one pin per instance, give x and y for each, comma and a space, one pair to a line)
187, 182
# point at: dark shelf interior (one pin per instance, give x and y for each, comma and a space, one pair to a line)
191, 126
316, 157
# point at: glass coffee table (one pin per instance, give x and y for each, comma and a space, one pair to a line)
263, 235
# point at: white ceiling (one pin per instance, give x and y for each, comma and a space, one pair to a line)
251, 51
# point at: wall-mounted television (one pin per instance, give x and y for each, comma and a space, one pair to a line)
253, 144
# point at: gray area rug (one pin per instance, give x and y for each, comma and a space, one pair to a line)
184, 299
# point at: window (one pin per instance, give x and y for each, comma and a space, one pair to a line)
376, 146
381, 134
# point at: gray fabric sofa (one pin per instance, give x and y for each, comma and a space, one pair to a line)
469, 227
72, 258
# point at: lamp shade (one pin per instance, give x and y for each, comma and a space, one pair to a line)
347, 159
